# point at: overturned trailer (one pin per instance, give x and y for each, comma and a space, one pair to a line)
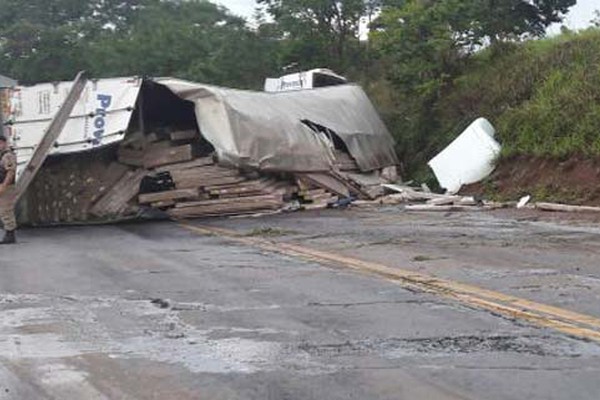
191, 149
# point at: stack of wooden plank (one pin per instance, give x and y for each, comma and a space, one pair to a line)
149, 155
203, 189
313, 196
67, 189
175, 171
232, 193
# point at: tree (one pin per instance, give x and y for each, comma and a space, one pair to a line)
426, 40
46, 39
499, 20
596, 20
421, 44
194, 40
317, 32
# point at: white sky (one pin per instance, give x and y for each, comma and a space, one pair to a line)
579, 17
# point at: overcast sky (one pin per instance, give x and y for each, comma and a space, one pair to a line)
579, 17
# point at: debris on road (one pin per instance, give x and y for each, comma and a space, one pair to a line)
565, 208
469, 159
523, 202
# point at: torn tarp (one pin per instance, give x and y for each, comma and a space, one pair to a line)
272, 131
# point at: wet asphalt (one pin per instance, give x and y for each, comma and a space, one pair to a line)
154, 311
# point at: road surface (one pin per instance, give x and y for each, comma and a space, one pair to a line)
162, 310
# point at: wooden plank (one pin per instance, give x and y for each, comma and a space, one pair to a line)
132, 157
158, 146
192, 183
184, 135
203, 173
254, 199
444, 201
240, 195
316, 206
313, 192
173, 155
163, 204
240, 189
190, 212
179, 194
328, 182
199, 162
451, 208
565, 208
115, 200
50, 137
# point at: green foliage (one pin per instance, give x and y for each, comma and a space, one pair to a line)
509, 19
314, 33
195, 39
543, 97
596, 20
419, 42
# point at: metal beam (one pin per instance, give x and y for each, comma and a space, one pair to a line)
51, 135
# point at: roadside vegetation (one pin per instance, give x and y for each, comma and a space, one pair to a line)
543, 97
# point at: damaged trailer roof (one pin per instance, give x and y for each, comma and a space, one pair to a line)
268, 131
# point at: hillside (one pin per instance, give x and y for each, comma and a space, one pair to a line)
543, 97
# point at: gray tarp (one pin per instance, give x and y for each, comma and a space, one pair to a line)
265, 130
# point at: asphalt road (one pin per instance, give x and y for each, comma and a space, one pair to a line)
157, 311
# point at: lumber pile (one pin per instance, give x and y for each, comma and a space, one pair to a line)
185, 182
67, 188
313, 195
176, 172
217, 191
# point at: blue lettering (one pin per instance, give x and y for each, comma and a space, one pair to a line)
105, 100
100, 117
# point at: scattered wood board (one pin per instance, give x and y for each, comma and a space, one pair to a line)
197, 183
169, 195
182, 166
328, 182
254, 199
116, 199
132, 157
566, 208
173, 155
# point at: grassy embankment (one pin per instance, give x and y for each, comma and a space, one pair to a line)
542, 96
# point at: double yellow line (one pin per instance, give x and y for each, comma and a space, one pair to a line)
565, 321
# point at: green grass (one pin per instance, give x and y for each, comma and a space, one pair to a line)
542, 96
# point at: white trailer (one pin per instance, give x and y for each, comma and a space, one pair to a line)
304, 80
100, 117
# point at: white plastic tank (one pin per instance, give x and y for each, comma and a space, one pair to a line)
468, 159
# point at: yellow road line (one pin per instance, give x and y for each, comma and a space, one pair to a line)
565, 321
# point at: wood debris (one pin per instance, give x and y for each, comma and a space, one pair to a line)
566, 208
177, 173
